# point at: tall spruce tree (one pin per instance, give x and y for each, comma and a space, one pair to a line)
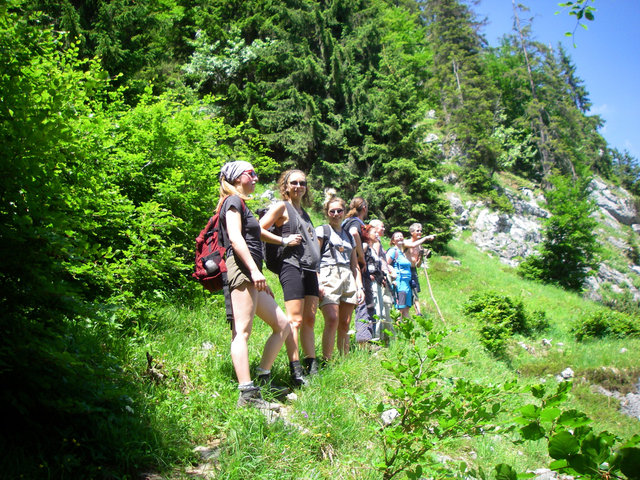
467, 99
570, 249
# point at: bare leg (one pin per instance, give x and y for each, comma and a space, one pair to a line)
416, 304
346, 312
243, 300
330, 313
269, 311
294, 310
307, 335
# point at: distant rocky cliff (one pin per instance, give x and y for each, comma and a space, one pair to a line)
514, 236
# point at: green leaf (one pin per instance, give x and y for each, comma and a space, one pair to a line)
573, 418
530, 411
537, 391
550, 414
563, 445
505, 472
533, 431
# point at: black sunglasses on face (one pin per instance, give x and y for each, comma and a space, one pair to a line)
336, 211
301, 183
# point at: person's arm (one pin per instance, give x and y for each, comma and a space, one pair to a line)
414, 243
274, 215
240, 248
359, 251
355, 269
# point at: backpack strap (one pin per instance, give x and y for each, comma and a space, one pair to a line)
397, 252
326, 230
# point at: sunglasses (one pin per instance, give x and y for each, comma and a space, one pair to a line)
336, 211
251, 173
301, 183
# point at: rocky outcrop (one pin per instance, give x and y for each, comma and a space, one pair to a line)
514, 236
615, 202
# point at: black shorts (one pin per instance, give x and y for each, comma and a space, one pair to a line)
298, 283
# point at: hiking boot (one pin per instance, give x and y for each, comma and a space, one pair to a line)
297, 378
311, 366
278, 391
251, 397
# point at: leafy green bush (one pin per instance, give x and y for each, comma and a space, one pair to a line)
606, 324
538, 321
430, 409
575, 447
478, 180
499, 317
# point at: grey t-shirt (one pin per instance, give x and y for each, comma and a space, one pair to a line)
338, 252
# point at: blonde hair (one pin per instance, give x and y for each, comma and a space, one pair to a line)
226, 190
330, 197
283, 183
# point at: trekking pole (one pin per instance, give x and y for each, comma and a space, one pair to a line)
426, 274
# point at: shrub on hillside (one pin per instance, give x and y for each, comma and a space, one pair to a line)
606, 324
499, 317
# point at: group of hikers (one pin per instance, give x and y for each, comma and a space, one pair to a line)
339, 267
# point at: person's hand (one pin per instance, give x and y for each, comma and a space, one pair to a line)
320, 291
430, 238
292, 240
360, 296
258, 280
269, 291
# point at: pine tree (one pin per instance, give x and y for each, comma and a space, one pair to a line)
569, 250
466, 98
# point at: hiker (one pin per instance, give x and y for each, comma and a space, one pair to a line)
298, 272
339, 277
249, 292
402, 266
415, 253
382, 295
354, 224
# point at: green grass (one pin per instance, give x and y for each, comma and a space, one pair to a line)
332, 429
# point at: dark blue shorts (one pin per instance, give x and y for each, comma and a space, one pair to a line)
298, 283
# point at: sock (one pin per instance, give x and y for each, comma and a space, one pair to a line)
262, 371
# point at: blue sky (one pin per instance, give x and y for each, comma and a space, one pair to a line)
606, 56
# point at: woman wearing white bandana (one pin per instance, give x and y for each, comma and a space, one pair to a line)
250, 294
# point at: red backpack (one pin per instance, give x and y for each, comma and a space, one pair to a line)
210, 267
210, 252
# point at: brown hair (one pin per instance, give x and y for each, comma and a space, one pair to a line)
356, 206
283, 184
330, 197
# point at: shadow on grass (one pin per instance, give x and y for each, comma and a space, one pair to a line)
71, 411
